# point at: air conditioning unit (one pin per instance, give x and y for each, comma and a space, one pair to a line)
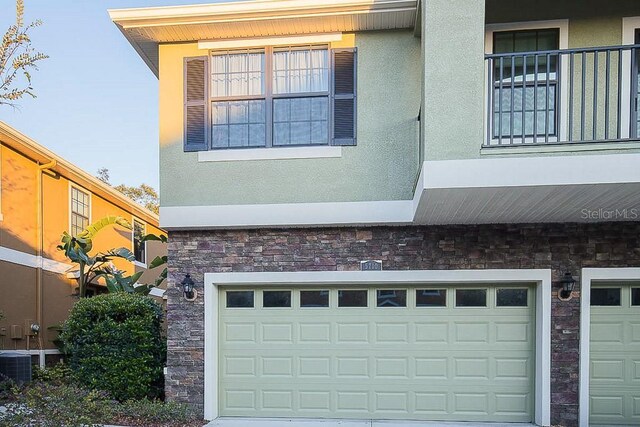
16, 366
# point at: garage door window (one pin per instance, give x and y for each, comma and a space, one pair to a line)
239, 299
605, 296
635, 296
391, 298
511, 297
352, 298
431, 298
311, 299
276, 299
471, 297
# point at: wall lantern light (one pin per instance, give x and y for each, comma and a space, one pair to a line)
568, 284
189, 292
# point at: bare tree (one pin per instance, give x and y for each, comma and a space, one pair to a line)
17, 59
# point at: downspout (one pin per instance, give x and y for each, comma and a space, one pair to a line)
40, 255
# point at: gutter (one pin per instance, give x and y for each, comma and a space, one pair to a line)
40, 254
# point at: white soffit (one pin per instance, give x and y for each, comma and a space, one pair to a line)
587, 188
145, 28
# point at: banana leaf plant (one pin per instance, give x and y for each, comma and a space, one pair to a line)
159, 260
117, 282
92, 267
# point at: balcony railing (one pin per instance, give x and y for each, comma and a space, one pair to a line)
563, 96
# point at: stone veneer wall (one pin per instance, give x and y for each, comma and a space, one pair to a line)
561, 247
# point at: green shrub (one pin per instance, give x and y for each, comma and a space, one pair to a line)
60, 373
113, 343
144, 412
48, 405
8, 388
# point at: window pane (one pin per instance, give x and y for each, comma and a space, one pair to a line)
352, 298
511, 297
314, 299
237, 74
240, 299
276, 298
238, 124
471, 297
138, 244
605, 296
635, 296
391, 298
300, 70
431, 298
300, 121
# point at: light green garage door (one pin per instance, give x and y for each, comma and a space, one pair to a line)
615, 355
463, 354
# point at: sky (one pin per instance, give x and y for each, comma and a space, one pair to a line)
97, 102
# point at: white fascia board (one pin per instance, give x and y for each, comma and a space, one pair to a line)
532, 171
398, 212
243, 9
269, 41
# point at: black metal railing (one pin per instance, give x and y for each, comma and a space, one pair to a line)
563, 96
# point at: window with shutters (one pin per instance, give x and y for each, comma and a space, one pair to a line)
270, 97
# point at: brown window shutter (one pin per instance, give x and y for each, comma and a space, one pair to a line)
344, 97
196, 111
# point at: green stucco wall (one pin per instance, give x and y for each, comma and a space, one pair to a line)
383, 166
455, 84
453, 48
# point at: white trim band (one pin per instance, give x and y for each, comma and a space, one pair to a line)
33, 261
287, 215
542, 278
578, 171
270, 154
269, 41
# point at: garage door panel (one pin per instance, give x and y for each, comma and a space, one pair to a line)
471, 332
614, 360
440, 363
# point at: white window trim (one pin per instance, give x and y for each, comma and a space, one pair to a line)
389, 278
269, 41
629, 26
590, 275
563, 43
70, 204
284, 153
133, 237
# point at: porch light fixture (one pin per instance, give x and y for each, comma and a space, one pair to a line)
568, 284
189, 292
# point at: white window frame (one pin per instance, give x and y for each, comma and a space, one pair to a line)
143, 263
629, 27
588, 276
563, 43
389, 279
73, 185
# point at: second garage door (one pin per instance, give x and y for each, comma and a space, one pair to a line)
615, 355
424, 353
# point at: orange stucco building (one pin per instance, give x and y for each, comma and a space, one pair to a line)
41, 196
